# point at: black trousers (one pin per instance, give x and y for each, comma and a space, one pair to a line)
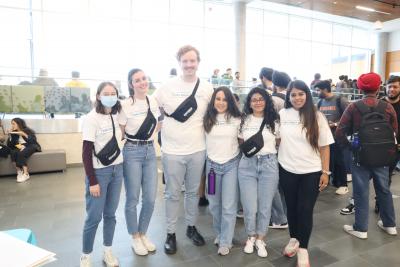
338, 166
21, 157
301, 192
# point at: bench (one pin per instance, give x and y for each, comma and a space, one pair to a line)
45, 161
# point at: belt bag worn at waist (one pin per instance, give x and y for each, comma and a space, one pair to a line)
254, 144
147, 128
186, 109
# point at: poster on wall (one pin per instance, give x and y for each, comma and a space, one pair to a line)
80, 100
57, 99
27, 99
5, 99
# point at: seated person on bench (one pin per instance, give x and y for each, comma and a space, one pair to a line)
4, 150
22, 142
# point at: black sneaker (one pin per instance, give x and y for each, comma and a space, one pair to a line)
350, 209
278, 226
170, 244
203, 201
195, 236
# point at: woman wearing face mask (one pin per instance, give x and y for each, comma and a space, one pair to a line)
221, 124
304, 164
258, 175
103, 182
22, 144
138, 121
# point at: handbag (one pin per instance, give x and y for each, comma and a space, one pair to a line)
186, 109
110, 152
255, 143
147, 128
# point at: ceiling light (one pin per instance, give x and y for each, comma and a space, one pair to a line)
378, 25
365, 8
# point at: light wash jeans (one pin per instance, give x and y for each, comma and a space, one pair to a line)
258, 182
110, 182
140, 172
223, 204
179, 169
278, 211
380, 176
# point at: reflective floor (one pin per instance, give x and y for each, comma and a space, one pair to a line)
52, 205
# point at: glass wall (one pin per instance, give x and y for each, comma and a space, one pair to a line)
302, 45
103, 39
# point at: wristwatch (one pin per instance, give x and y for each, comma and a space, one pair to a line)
326, 172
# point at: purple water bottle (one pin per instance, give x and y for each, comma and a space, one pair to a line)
211, 182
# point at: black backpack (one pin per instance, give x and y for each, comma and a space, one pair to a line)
376, 135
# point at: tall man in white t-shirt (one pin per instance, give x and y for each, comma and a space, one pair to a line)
183, 145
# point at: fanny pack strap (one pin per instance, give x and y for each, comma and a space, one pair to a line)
262, 126
148, 111
191, 95
112, 122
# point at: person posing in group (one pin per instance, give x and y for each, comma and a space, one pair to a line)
22, 143
138, 121
221, 124
304, 164
258, 174
102, 161
184, 100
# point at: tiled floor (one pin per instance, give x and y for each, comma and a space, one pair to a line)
52, 205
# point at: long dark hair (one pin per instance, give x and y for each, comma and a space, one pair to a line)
270, 114
22, 126
130, 86
210, 118
308, 113
99, 106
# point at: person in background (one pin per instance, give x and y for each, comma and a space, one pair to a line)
103, 182
237, 84
266, 79
350, 124
317, 78
22, 143
333, 106
44, 79
138, 121
215, 79
226, 78
183, 145
221, 124
303, 156
76, 82
258, 175
4, 149
280, 81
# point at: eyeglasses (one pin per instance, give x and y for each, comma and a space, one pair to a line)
257, 100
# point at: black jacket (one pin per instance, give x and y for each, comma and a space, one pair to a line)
30, 140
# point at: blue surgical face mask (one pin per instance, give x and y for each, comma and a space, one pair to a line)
108, 100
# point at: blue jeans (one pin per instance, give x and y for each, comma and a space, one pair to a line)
278, 211
110, 182
179, 169
140, 172
380, 176
258, 181
223, 204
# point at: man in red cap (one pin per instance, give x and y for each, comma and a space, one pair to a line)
353, 123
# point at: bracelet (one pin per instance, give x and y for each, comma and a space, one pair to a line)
326, 172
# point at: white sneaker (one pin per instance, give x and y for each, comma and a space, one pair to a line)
349, 178
109, 259
350, 230
148, 244
342, 190
139, 247
302, 258
22, 178
261, 250
388, 230
223, 251
249, 247
85, 261
291, 248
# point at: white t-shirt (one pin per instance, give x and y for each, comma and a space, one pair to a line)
133, 114
222, 140
295, 152
97, 128
188, 137
251, 126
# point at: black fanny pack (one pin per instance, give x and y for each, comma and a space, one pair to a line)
147, 128
251, 146
186, 109
110, 152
